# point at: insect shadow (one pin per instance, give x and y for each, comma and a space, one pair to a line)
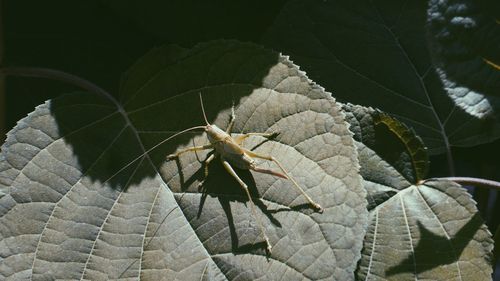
219, 184
229, 150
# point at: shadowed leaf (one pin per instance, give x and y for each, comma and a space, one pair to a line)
83, 202
375, 53
413, 144
466, 51
429, 231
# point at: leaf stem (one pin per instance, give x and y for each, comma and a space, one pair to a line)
55, 75
472, 181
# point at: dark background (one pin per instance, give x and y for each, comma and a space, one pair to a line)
99, 40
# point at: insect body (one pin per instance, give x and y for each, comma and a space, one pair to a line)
231, 153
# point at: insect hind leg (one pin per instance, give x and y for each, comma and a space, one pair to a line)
239, 139
231, 171
297, 186
268, 171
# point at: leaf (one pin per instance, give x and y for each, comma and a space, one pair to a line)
84, 203
429, 231
374, 53
393, 142
415, 149
189, 22
467, 55
496, 250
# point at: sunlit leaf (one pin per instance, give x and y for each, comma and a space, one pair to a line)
83, 202
418, 231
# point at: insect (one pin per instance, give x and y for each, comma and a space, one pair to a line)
231, 153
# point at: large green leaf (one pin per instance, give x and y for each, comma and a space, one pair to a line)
375, 53
189, 22
83, 202
419, 230
466, 46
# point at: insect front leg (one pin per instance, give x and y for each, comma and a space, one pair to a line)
271, 158
231, 171
194, 148
206, 163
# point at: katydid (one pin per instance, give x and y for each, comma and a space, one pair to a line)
231, 153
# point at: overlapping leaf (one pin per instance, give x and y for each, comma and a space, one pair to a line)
83, 202
201, 21
424, 231
466, 46
375, 53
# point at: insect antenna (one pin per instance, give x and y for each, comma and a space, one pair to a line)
155, 146
203, 110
